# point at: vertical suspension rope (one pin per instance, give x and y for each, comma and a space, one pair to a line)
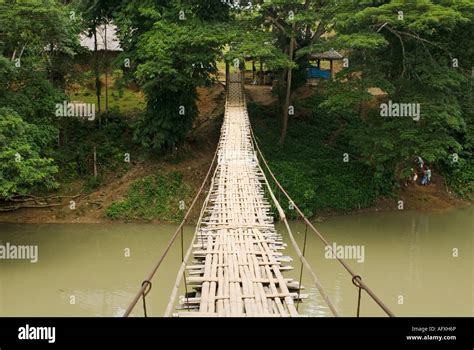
184, 271
301, 268
147, 285
144, 306
356, 281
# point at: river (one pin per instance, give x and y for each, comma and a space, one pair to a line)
95, 269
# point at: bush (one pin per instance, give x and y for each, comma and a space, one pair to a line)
460, 176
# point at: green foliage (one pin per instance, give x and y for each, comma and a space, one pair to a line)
174, 49
168, 118
310, 166
412, 60
36, 37
34, 100
460, 175
40, 36
154, 197
23, 167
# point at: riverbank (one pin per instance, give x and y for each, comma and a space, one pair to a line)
87, 210
92, 207
321, 168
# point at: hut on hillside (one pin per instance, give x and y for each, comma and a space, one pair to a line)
316, 71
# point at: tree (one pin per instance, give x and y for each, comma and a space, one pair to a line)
295, 26
22, 167
31, 82
43, 34
173, 46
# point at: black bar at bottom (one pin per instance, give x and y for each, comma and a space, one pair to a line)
448, 333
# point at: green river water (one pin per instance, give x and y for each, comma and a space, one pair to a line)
83, 270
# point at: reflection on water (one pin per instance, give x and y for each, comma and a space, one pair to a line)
83, 271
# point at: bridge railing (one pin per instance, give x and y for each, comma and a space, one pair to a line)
147, 282
356, 279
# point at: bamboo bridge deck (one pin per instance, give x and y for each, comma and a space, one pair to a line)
238, 264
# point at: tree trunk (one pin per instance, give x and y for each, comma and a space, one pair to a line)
253, 71
284, 126
95, 162
106, 74
96, 69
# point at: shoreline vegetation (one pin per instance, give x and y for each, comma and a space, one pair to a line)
157, 190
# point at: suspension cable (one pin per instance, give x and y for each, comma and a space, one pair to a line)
303, 260
301, 268
342, 262
145, 288
171, 241
182, 268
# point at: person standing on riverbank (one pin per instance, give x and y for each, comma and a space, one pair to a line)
415, 176
428, 176
420, 162
424, 179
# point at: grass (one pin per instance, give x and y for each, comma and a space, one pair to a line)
124, 100
155, 197
129, 102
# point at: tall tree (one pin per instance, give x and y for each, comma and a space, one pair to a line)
96, 14
173, 47
295, 26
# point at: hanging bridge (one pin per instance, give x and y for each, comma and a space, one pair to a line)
238, 265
